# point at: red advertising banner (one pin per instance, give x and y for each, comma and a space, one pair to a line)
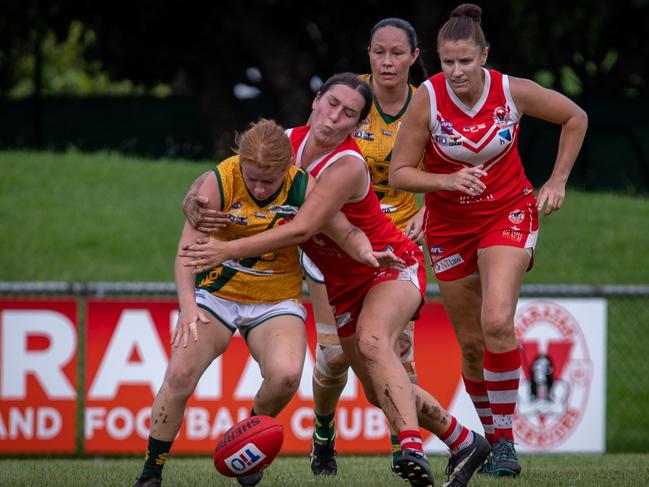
128, 350
38, 376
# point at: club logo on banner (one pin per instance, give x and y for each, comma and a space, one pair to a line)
38, 375
561, 406
557, 374
128, 350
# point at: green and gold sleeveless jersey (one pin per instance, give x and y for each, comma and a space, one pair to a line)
375, 137
268, 278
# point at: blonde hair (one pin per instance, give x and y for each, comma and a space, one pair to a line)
463, 24
265, 145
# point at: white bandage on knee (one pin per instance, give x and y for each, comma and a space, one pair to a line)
406, 351
329, 358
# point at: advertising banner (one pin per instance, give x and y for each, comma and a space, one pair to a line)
38, 376
128, 350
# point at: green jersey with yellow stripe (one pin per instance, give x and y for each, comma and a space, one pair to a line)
268, 278
375, 138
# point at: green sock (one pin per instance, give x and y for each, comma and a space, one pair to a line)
157, 452
396, 448
325, 428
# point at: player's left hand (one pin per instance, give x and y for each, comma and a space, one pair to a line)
203, 255
551, 196
415, 228
383, 259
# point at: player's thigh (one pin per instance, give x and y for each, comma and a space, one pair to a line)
320, 302
279, 344
462, 300
387, 309
191, 361
501, 274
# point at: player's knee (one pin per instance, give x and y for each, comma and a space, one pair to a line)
181, 382
331, 366
497, 326
372, 347
286, 379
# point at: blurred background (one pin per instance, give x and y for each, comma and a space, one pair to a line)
171, 79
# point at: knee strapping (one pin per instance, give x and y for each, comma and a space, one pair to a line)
330, 365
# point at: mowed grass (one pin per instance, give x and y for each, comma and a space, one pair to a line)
107, 217
610, 470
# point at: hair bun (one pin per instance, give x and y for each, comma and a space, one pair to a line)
470, 10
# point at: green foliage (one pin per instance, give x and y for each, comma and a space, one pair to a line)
545, 471
68, 70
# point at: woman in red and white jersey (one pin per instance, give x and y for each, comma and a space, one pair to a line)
372, 305
482, 216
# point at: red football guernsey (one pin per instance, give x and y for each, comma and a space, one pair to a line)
461, 136
341, 272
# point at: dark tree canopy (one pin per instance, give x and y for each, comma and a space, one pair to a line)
585, 48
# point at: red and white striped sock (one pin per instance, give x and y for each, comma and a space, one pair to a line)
477, 391
411, 439
457, 437
502, 373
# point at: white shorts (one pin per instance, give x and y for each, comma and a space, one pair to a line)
310, 269
236, 315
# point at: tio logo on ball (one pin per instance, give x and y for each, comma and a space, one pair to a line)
246, 458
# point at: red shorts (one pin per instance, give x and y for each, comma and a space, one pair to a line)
347, 308
456, 256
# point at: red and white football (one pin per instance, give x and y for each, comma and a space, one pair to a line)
248, 446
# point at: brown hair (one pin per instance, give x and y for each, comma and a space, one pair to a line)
266, 145
463, 24
355, 83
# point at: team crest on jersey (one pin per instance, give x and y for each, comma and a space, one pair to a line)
501, 114
516, 216
556, 375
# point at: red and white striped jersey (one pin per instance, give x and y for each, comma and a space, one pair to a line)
486, 133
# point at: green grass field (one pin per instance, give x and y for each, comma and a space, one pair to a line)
543, 471
106, 217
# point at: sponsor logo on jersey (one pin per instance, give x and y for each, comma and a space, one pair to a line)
237, 205
474, 128
513, 234
343, 319
387, 133
447, 140
364, 134
505, 134
516, 216
447, 127
238, 220
447, 263
557, 374
388, 209
246, 458
285, 210
259, 214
